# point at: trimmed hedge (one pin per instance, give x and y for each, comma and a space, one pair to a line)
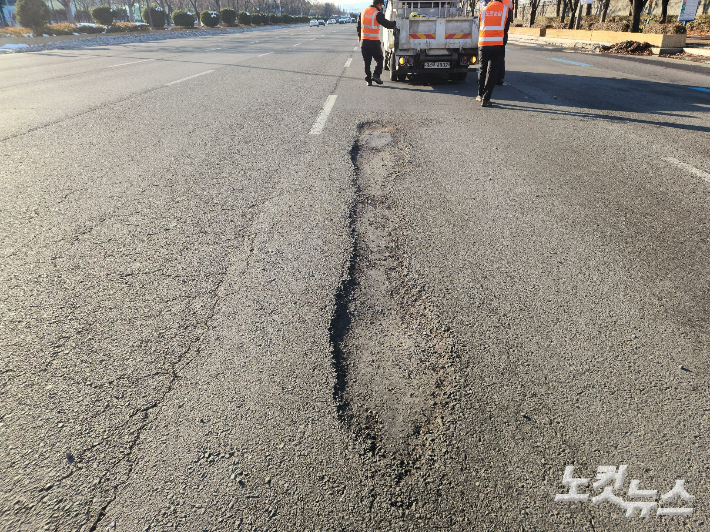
90, 28
32, 13
63, 28
664, 28
126, 27
209, 18
274, 18
102, 15
244, 18
228, 16
156, 13
184, 18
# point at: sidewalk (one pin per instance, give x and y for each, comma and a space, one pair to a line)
695, 45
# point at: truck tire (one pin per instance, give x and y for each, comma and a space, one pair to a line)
393, 68
461, 76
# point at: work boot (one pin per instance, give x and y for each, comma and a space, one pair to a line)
486, 103
369, 83
377, 80
478, 98
500, 82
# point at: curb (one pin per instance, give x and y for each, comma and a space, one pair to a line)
698, 51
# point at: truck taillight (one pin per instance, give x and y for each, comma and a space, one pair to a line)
473, 59
464, 60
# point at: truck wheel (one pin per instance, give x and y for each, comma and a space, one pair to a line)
401, 76
393, 68
461, 76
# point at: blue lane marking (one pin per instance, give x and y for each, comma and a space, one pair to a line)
699, 89
570, 62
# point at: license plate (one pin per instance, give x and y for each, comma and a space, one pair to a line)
437, 64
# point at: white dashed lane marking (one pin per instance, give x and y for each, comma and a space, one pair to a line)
189, 77
347, 63
688, 168
131, 63
323, 116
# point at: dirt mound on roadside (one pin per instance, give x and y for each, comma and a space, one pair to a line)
628, 48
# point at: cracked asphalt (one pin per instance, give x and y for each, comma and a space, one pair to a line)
211, 319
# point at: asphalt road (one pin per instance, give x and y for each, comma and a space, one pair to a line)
243, 291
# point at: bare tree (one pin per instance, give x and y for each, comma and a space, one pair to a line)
534, 4
664, 11
638, 6
573, 5
605, 9
66, 4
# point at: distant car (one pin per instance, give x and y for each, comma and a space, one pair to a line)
342, 21
314, 22
332, 21
321, 22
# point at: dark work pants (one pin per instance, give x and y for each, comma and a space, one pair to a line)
501, 72
372, 50
490, 58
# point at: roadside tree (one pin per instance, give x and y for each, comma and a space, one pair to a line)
228, 16
155, 17
209, 18
534, 4
102, 15
183, 18
638, 6
32, 14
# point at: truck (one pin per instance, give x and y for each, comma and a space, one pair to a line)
432, 39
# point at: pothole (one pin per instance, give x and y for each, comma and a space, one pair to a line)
395, 362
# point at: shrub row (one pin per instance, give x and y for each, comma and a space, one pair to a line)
258, 18
64, 28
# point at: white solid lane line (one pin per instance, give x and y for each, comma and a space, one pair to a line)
131, 63
688, 168
189, 77
262, 55
347, 63
323, 116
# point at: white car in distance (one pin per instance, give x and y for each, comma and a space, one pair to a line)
314, 22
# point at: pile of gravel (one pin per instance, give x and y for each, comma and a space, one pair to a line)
105, 39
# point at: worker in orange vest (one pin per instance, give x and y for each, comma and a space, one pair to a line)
493, 20
368, 33
501, 73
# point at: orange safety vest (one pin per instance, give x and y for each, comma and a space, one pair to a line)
369, 27
492, 26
